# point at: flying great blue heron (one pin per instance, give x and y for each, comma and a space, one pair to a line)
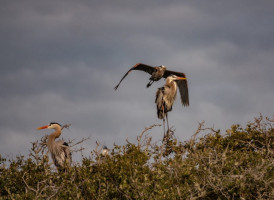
59, 150
156, 73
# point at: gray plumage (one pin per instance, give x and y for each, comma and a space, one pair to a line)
59, 150
166, 95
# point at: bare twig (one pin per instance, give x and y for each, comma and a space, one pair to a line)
66, 126
139, 138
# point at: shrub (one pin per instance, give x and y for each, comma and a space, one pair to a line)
235, 165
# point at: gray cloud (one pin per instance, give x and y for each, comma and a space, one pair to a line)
60, 61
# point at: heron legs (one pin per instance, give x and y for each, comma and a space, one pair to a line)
164, 126
164, 122
150, 83
167, 123
165, 132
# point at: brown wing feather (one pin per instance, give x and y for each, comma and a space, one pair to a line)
183, 88
138, 66
168, 73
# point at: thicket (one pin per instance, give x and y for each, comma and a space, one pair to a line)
235, 165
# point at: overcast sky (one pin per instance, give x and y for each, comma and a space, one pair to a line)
61, 59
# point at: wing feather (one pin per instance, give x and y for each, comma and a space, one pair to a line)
61, 154
138, 66
67, 153
168, 73
183, 88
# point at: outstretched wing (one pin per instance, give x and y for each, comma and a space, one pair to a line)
183, 88
138, 66
168, 73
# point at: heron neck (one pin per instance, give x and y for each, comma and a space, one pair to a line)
168, 81
171, 84
173, 88
54, 135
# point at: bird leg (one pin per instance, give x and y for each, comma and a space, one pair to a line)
164, 130
167, 124
166, 133
150, 83
164, 123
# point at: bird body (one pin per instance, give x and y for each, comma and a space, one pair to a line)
166, 95
156, 75
59, 150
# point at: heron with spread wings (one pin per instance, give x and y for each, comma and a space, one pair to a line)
156, 73
165, 96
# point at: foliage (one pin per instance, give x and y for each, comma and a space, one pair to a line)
236, 165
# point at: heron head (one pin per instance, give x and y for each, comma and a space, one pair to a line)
163, 67
177, 78
52, 125
174, 78
105, 151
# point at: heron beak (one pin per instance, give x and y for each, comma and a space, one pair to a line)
42, 127
181, 78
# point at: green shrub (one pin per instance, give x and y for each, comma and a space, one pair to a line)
236, 165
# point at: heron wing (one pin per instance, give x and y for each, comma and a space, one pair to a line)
183, 88
61, 155
67, 153
168, 73
66, 144
138, 66
159, 101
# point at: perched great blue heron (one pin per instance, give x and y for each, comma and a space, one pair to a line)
59, 150
165, 96
156, 73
